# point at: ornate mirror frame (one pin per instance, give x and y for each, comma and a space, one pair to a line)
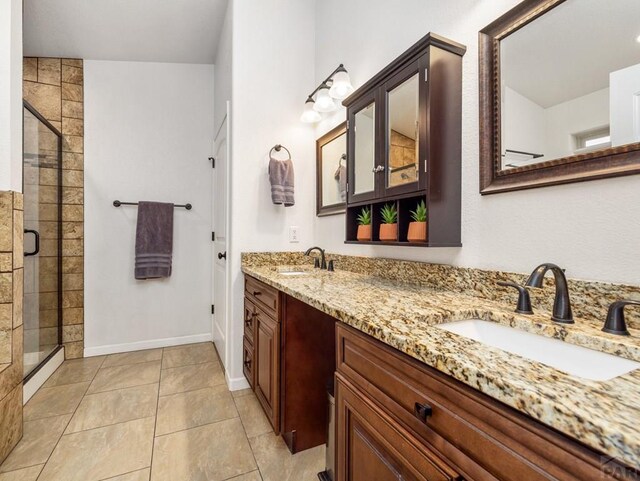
599, 164
340, 207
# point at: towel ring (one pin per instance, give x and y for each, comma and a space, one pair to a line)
278, 148
342, 157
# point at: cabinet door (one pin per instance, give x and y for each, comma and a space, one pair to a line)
365, 164
404, 120
370, 445
267, 367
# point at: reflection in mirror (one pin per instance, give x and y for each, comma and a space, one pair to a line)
403, 105
364, 150
570, 82
334, 171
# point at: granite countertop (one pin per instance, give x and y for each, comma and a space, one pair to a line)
600, 414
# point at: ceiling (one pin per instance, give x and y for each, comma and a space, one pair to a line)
570, 51
175, 31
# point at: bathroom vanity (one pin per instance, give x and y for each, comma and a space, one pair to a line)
416, 402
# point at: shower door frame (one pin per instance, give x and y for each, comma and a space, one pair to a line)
48, 124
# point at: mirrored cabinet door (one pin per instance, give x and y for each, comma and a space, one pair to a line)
364, 145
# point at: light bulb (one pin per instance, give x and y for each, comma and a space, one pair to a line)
324, 102
310, 116
341, 87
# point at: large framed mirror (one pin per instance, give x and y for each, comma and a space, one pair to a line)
559, 94
331, 171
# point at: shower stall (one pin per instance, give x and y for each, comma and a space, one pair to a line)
42, 189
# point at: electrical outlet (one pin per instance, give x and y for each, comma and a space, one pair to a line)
294, 234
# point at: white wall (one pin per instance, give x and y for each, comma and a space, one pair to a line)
11, 95
273, 44
625, 105
523, 126
148, 133
584, 227
223, 70
574, 116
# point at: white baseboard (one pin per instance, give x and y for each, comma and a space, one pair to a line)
141, 345
237, 383
44, 373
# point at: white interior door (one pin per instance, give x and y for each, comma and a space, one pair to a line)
220, 179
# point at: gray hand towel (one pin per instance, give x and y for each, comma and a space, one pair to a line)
341, 177
154, 240
281, 178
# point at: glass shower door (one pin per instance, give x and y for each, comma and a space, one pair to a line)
42, 240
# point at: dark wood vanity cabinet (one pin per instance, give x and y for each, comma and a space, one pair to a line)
399, 419
404, 139
289, 358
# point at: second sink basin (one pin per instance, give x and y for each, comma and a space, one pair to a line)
575, 360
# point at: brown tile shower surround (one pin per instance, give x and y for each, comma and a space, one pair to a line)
54, 87
399, 302
11, 280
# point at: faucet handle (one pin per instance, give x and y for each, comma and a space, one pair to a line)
316, 263
615, 323
524, 301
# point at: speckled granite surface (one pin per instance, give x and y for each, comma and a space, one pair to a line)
603, 415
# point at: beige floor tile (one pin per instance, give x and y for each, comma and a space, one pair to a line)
54, 401
142, 475
189, 354
27, 474
252, 476
194, 408
77, 370
254, 420
40, 437
101, 453
190, 378
242, 392
207, 453
136, 357
111, 407
276, 463
120, 377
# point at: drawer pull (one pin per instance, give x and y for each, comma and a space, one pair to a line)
422, 411
257, 293
249, 319
247, 364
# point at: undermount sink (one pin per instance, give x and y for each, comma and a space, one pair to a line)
291, 272
575, 360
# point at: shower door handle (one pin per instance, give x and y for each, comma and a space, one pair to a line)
37, 238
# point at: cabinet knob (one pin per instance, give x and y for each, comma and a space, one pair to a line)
422, 411
222, 255
247, 363
378, 168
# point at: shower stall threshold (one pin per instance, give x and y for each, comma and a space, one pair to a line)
39, 376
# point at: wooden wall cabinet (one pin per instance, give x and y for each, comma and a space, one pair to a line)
404, 140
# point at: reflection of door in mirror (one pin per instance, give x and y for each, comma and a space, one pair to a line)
570, 82
402, 159
364, 178
334, 171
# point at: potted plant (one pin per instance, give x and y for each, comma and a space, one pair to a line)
389, 226
364, 224
418, 226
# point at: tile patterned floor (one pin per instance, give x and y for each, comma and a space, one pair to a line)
155, 415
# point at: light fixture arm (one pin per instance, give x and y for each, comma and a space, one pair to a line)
328, 81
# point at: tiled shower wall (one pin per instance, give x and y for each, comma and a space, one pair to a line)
11, 277
54, 87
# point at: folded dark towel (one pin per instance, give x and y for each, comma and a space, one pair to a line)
281, 178
154, 240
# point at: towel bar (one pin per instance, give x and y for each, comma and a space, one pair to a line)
117, 203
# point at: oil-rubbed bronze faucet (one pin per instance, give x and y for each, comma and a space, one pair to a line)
561, 304
323, 262
615, 323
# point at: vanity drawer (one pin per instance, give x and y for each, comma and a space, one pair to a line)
262, 295
247, 361
484, 438
249, 318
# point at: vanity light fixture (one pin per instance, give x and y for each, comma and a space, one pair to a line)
309, 115
638, 39
324, 102
335, 86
